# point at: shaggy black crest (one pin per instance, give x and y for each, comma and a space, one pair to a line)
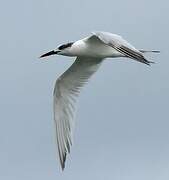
65, 46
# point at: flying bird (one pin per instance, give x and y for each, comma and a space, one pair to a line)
90, 52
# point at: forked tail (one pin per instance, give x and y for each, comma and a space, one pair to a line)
149, 51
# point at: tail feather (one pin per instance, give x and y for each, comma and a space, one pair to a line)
151, 51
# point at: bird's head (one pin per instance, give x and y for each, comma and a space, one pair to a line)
64, 49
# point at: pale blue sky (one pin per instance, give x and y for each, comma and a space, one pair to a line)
122, 125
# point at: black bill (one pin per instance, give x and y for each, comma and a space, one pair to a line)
49, 53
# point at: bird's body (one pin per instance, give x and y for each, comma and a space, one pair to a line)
96, 49
90, 53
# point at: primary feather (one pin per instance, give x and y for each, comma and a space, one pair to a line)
66, 90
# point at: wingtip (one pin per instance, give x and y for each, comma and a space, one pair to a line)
63, 162
63, 166
149, 63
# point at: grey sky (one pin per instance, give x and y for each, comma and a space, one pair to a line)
122, 121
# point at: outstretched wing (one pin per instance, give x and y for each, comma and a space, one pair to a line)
120, 45
67, 89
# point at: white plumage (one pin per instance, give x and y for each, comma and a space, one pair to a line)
90, 52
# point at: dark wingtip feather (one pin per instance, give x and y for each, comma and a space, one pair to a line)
63, 162
148, 62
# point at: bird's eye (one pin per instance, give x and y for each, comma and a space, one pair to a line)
61, 47
64, 46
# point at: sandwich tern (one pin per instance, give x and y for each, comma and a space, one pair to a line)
90, 53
